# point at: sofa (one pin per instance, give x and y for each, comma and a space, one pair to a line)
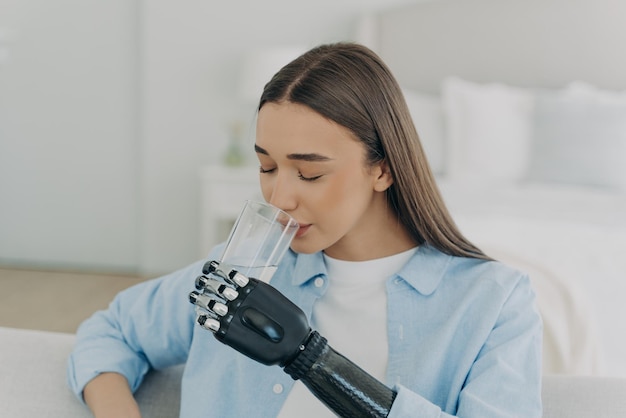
32, 384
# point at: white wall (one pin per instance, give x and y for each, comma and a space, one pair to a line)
531, 43
67, 134
108, 109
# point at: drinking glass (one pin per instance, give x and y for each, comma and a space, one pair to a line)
258, 240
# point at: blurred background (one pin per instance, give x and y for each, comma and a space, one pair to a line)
126, 136
108, 109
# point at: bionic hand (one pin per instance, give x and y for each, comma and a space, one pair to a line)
260, 322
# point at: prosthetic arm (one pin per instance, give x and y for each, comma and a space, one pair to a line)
260, 322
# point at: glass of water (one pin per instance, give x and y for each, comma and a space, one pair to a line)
258, 240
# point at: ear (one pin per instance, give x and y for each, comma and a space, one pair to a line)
382, 177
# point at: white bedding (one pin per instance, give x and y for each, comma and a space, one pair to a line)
571, 240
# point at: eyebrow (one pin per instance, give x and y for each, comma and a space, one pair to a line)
296, 156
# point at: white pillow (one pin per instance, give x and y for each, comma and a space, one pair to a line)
427, 113
488, 130
580, 137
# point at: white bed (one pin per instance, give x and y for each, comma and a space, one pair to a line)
521, 107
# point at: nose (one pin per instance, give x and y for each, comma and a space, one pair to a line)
282, 193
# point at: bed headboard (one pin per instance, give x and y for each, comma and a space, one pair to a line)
513, 90
528, 43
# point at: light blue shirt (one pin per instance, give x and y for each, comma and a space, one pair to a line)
464, 340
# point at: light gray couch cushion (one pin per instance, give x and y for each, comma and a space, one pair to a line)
32, 379
569, 396
32, 384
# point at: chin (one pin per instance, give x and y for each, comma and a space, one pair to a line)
302, 247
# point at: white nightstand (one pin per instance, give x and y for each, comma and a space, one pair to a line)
223, 192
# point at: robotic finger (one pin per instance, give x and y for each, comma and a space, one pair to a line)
208, 303
226, 272
207, 284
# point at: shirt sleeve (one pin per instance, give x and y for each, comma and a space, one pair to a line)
505, 379
149, 325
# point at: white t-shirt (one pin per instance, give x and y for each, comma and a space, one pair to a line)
352, 316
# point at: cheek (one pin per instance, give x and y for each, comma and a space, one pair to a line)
340, 202
346, 189
330, 195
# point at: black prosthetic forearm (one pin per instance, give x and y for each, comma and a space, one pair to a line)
342, 385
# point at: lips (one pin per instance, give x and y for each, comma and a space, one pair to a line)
302, 230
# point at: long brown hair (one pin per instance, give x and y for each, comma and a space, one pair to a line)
350, 85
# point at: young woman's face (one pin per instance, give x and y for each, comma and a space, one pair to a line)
315, 170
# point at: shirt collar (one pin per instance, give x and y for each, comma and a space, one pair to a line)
424, 271
308, 266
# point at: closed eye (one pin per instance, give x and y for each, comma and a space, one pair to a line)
301, 177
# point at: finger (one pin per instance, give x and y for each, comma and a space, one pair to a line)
226, 272
207, 322
204, 283
208, 303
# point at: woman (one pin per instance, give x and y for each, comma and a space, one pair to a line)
378, 267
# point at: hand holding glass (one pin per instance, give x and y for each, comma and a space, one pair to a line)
259, 239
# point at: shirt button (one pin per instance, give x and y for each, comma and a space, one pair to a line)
319, 282
278, 388
397, 280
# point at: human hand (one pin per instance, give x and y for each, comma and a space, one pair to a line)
249, 315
